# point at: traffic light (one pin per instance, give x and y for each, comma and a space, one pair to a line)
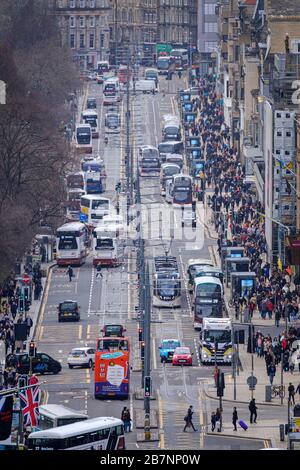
220, 384
142, 349
147, 388
140, 334
27, 305
32, 349
26, 293
21, 305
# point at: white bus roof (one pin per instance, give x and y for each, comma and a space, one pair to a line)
169, 164
71, 226
83, 125
207, 280
60, 411
89, 112
89, 425
200, 261
217, 322
107, 229
95, 197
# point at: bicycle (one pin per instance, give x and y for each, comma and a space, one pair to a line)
278, 391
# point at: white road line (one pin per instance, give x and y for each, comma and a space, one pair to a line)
91, 292
197, 351
186, 286
154, 354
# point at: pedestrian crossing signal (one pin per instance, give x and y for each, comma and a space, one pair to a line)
32, 349
147, 383
142, 349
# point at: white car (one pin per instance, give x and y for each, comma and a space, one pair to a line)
82, 357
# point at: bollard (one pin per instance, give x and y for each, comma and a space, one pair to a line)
147, 427
281, 432
268, 393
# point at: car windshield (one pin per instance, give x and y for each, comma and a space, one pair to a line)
77, 352
169, 171
167, 287
209, 289
221, 336
208, 311
170, 344
182, 351
166, 148
113, 330
70, 306
111, 344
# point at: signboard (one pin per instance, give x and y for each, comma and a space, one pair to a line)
163, 48
252, 381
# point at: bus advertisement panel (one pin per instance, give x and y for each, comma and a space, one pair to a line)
112, 368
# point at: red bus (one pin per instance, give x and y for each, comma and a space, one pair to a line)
123, 74
112, 370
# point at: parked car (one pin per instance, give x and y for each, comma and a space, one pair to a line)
82, 357
182, 356
41, 363
68, 310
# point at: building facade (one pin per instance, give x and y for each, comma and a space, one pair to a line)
207, 34
84, 27
177, 22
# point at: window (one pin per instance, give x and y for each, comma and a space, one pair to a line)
211, 27
101, 40
72, 22
92, 3
82, 21
82, 4
81, 41
92, 41
60, 4
92, 21
210, 8
211, 46
146, 18
72, 4
72, 41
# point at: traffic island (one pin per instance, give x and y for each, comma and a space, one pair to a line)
148, 436
140, 419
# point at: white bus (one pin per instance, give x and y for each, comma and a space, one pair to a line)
52, 416
71, 239
112, 123
93, 208
83, 138
73, 204
105, 433
106, 245
90, 116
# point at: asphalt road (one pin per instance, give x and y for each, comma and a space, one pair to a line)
113, 298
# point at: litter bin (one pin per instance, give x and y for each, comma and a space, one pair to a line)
281, 432
268, 396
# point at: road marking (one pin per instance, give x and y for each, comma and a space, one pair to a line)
45, 299
154, 354
131, 410
88, 330
161, 422
80, 332
87, 376
91, 292
41, 332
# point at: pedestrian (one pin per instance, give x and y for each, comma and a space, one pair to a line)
218, 420
298, 388
69, 272
99, 269
189, 419
125, 417
234, 418
213, 421
291, 390
253, 410
271, 372
277, 317
29, 324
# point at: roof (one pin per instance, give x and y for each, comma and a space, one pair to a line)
283, 9
60, 410
71, 226
207, 280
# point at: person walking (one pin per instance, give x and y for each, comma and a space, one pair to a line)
213, 421
277, 317
125, 417
218, 420
99, 270
29, 324
291, 390
271, 372
253, 410
234, 418
189, 419
298, 389
69, 272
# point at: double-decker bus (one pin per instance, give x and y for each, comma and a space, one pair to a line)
149, 165
103, 66
124, 74
207, 298
112, 123
163, 64
180, 58
75, 180
90, 116
93, 208
105, 433
94, 175
179, 191
73, 204
166, 282
112, 369
166, 172
83, 136
106, 244
71, 239
111, 91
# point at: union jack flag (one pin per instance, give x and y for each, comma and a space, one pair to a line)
29, 400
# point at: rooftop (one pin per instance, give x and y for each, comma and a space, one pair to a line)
283, 9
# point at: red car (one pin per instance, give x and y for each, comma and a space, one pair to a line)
182, 356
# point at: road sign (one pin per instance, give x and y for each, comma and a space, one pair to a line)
26, 278
252, 381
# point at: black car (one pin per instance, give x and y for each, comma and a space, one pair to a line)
113, 330
42, 363
91, 103
68, 310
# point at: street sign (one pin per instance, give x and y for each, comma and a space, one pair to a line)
252, 381
26, 278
